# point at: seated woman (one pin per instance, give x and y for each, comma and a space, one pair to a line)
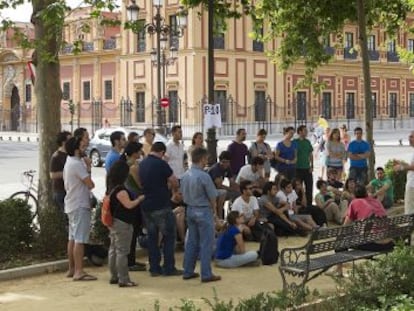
326, 202
362, 207
288, 195
348, 194
231, 251
304, 208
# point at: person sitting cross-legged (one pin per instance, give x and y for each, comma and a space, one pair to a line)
254, 173
382, 188
248, 207
325, 201
231, 250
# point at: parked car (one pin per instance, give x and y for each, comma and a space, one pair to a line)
100, 143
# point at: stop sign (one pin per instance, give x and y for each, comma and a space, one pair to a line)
165, 102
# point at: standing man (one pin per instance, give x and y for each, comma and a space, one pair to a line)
118, 144
238, 151
149, 136
409, 186
200, 195
175, 152
57, 163
304, 163
155, 175
78, 183
358, 153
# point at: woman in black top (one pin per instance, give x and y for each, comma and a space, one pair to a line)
122, 227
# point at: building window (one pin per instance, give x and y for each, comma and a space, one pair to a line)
260, 106
374, 105
371, 42
140, 107
218, 37
28, 93
108, 90
220, 97
392, 101
391, 46
301, 101
410, 45
257, 44
174, 40
349, 40
66, 91
86, 90
350, 105
173, 108
327, 105
411, 105
141, 46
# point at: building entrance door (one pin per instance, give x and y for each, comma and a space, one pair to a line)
14, 109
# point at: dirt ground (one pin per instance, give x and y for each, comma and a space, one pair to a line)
56, 292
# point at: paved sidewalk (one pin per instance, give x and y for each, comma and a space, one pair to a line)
56, 292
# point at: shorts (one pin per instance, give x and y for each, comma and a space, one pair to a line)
79, 225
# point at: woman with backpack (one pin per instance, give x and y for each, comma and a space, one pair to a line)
123, 215
231, 250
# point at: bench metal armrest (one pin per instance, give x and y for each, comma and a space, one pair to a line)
291, 256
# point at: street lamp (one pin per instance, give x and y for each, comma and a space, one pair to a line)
162, 30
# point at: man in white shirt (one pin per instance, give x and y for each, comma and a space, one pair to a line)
78, 183
254, 173
248, 207
175, 152
409, 186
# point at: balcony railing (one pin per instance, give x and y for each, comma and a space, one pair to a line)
393, 57
109, 44
329, 50
373, 55
67, 49
87, 46
350, 53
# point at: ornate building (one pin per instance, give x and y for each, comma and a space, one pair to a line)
114, 79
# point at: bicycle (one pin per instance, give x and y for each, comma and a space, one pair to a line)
29, 196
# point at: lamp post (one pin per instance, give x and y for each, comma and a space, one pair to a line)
158, 27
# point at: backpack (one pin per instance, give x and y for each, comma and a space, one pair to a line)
269, 252
106, 212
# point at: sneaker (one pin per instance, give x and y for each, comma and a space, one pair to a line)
176, 272
212, 278
194, 275
137, 267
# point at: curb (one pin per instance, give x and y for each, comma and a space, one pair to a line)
20, 138
32, 270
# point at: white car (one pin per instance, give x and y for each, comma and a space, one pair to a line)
100, 143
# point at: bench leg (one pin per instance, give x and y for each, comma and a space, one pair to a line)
293, 288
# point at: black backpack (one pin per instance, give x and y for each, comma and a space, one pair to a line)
269, 252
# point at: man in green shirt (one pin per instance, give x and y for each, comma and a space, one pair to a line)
304, 163
382, 188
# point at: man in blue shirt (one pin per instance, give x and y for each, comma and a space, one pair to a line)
118, 143
200, 195
155, 175
358, 153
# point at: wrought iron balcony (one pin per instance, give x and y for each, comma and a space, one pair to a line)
392, 57
87, 46
109, 44
373, 55
350, 53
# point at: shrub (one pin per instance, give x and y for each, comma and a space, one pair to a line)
16, 230
398, 179
377, 284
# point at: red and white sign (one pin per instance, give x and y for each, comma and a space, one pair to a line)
164, 102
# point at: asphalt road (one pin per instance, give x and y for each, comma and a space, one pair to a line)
16, 157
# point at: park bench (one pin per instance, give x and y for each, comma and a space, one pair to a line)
318, 254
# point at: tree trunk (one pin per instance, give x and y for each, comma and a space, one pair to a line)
48, 95
367, 85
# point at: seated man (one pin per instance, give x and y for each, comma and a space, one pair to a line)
334, 185
248, 207
218, 172
253, 172
326, 202
382, 188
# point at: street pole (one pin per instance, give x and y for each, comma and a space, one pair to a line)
158, 30
211, 132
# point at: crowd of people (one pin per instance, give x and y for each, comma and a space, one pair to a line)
171, 194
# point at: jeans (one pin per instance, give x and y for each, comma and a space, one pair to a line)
359, 174
161, 221
120, 234
79, 225
200, 240
237, 260
306, 176
59, 199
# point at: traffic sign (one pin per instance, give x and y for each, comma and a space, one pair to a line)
165, 102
